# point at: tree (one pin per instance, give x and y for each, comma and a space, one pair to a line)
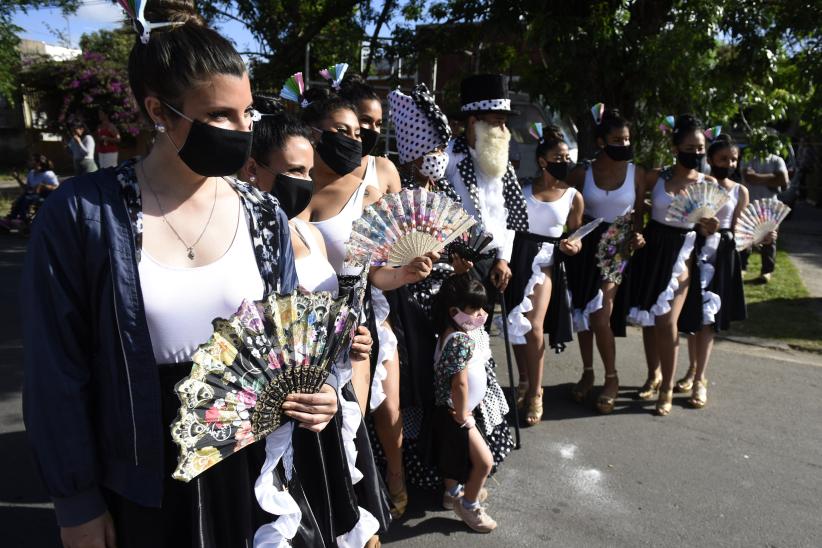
9, 56
743, 64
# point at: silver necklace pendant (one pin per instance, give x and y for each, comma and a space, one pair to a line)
191, 253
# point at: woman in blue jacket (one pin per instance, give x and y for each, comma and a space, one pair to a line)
125, 270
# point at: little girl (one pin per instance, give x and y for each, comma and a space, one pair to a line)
460, 382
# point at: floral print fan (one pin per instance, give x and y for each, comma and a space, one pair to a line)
408, 224
241, 376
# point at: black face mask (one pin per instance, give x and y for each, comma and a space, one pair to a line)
369, 140
212, 151
690, 160
620, 153
559, 170
721, 172
340, 152
293, 193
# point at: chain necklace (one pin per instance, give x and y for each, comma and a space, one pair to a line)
189, 248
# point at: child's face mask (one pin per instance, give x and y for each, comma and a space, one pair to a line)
469, 322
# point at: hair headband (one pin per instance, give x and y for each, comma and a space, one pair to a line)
712, 133
334, 74
536, 131
293, 90
597, 111
135, 9
667, 125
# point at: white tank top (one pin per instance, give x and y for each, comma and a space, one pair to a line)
180, 303
337, 229
609, 204
548, 218
314, 272
726, 212
370, 176
661, 199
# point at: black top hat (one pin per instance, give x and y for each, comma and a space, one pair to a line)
483, 93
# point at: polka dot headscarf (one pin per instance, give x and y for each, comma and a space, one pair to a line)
420, 124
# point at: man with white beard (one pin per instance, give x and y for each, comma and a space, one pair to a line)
480, 175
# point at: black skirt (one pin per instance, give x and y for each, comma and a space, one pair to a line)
727, 281
652, 269
217, 508
585, 280
449, 446
558, 321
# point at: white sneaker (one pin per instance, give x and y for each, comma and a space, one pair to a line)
448, 500
476, 519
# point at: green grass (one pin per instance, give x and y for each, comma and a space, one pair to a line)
5, 204
781, 310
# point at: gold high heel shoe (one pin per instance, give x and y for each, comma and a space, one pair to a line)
399, 502
685, 384
699, 396
663, 404
522, 389
649, 390
605, 404
534, 413
580, 390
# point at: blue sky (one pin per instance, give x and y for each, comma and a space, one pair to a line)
95, 15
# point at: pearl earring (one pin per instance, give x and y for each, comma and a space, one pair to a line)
160, 127
252, 178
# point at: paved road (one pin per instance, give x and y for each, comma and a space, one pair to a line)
745, 471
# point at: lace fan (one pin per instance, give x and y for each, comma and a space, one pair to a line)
406, 225
759, 219
614, 249
474, 246
241, 376
700, 199
585, 229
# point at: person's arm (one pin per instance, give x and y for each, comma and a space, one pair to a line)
388, 277
388, 176
741, 204
774, 181
456, 354
574, 221
644, 185
504, 252
57, 379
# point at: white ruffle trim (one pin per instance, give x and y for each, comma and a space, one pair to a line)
279, 532
711, 302
518, 324
582, 315
388, 346
367, 526
647, 318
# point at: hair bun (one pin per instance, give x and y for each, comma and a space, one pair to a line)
552, 132
173, 11
686, 122
724, 138
265, 104
316, 94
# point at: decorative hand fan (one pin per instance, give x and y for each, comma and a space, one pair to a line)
474, 246
241, 376
614, 249
700, 199
406, 225
584, 230
759, 219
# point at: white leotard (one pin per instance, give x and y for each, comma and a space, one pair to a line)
314, 272
609, 204
548, 218
726, 212
180, 303
661, 199
337, 229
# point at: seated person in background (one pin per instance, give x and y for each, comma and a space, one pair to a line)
40, 182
